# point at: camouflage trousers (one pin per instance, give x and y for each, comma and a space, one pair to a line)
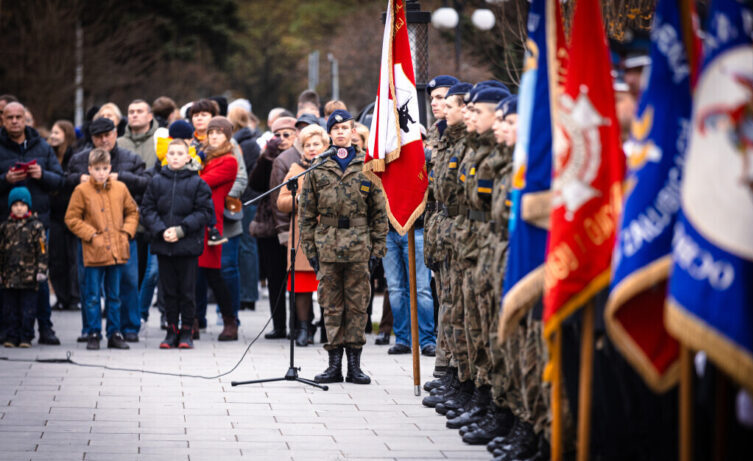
536, 394
479, 284
344, 291
457, 320
445, 342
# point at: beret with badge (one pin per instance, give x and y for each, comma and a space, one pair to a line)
338, 116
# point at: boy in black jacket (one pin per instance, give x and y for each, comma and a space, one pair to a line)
176, 208
23, 262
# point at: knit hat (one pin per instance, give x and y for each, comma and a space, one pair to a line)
181, 129
283, 123
19, 194
221, 123
338, 116
243, 103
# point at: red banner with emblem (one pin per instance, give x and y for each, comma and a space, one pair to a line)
589, 167
396, 154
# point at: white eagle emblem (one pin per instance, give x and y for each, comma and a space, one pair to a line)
339, 118
577, 152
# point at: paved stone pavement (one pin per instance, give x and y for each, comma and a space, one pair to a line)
66, 412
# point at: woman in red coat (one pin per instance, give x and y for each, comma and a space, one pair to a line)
220, 170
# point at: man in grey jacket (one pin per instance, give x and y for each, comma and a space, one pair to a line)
139, 133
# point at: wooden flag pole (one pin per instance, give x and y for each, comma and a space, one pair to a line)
585, 384
414, 311
686, 404
557, 414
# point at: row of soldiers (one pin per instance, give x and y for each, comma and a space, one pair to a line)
491, 392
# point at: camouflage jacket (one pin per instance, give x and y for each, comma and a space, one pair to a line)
498, 237
444, 189
350, 195
432, 139
468, 245
23, 252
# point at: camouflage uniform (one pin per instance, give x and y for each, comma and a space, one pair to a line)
343, 222
496, 168
478, 226
448, 191
460, 262
23, 252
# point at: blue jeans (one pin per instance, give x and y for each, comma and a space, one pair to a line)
230, 271
146, 292
395, 264
93, 278
248, 259
129, 292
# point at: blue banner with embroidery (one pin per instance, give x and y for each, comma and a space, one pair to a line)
532, 173
710, 305
641, 261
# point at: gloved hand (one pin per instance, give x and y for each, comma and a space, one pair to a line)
314, 264
373, 263
41, 277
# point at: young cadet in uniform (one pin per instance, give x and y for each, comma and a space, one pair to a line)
343, 224
444, 188
437, 89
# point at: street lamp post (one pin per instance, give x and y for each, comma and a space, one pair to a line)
449, 18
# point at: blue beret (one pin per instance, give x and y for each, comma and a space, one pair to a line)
490, 94
180, 129
460, 89
509, 105
495, 84
338, 116
441, 81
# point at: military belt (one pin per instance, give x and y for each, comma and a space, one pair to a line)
343, 222
450, 211
479, 215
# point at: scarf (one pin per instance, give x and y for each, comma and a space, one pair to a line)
344, 162
212, 153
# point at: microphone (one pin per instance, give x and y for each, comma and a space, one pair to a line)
326, 154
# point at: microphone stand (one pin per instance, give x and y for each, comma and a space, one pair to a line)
292, 185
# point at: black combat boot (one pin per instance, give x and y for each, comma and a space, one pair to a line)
476, 409
439, 382
355, 375
542, 451
460, 400
439, 395
171, 338
522, 443
333, 373
500, 424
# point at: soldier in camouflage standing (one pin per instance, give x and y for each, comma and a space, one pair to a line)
23, 262
437, 89
343, 224
445, 189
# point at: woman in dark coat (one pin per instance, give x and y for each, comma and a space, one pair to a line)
62, 243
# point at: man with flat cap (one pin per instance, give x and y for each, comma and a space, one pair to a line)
343, 223
128, 168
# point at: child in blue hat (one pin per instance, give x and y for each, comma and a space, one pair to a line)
23, 265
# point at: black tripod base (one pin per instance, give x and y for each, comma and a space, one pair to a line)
291, 375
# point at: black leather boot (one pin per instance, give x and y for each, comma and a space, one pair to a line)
355, 374
302, 334
333, 373
441, 395
501, 424
475, 410
523, 443
437, 383
459, 401
542, 451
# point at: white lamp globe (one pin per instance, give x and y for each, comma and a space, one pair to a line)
445, 18
483, 19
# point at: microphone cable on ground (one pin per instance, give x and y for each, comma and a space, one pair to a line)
68, 360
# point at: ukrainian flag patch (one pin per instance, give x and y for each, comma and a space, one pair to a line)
462, 174
473, 171
431, 176
453, 163
366, 186
484, 187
